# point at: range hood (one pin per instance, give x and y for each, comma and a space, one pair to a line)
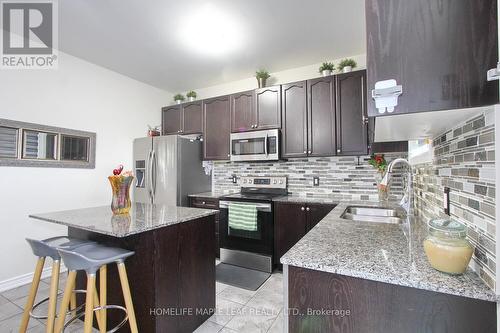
421, 125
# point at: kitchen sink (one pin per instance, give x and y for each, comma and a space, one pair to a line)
373, 214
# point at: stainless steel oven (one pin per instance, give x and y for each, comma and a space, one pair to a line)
255, 146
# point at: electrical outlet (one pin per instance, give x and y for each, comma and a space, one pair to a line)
234, 179
315, 181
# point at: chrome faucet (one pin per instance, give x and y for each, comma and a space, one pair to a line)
406, 201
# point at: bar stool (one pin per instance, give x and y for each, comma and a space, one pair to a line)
42, 249
91, 258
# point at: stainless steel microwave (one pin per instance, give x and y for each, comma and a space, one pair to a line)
255, 146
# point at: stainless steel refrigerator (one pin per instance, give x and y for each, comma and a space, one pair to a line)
168, 168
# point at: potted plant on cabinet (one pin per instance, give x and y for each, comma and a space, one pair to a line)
262, 76
179, 98
327, 68
347, 65
378, 162
191, 95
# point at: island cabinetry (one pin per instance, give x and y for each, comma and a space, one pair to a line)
171, 275
326, 302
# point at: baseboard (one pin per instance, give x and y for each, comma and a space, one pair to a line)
26, 278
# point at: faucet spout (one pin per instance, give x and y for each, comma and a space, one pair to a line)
405, 203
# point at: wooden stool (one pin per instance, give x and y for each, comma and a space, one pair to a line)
92, 258
43, 249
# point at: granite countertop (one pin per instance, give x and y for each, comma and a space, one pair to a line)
142, 217
215, 195
383, 252
307, 199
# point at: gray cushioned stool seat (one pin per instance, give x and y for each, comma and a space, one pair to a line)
49, 247
92, 256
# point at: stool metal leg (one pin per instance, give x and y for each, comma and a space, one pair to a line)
103, 296
89, 304
68, 294
54, 284
32, 294
128, 298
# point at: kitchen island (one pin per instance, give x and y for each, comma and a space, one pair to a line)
171, 275
350, 276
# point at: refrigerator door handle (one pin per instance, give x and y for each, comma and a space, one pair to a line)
148, 176
153, 175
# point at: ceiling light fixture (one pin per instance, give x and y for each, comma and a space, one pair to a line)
210, 31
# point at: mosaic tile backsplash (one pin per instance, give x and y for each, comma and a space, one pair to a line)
339, 177
464, 161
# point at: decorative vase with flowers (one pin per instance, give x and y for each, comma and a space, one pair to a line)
378, 162
120, 186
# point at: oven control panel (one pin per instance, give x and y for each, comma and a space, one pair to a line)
263, 182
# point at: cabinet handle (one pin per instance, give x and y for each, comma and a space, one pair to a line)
309, 152
338, 150
255, 126
305, 152
308, 209
302, 208
228, 155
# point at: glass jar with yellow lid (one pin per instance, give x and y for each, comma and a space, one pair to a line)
446, 246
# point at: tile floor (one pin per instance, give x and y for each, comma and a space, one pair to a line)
237, 310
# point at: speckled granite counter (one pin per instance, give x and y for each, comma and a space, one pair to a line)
142, 217
380, 252
215, 195
310, 199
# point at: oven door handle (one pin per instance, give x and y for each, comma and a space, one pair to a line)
265, 145
261, 207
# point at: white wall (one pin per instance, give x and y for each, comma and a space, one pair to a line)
78, 95
291, 75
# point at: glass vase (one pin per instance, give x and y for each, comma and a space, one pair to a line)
120, 186
383, 191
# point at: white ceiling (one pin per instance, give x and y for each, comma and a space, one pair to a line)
143, 39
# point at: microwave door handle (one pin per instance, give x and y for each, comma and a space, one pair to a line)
265, 145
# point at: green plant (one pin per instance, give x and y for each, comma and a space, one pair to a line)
179, 97
327, 66
378, 161
346, 62
262, 74
191, 94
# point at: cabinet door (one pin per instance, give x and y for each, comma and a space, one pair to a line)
171, 120
316, 212
439, 51
294, 116
243, 116
290, 226
268, 107
192, 118
321, 116
216, 128
352, 121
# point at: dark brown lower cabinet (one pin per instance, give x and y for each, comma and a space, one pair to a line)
171, 276
323, 302
292, 221
208, 203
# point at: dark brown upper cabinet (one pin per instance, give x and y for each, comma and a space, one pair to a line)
439, 51
294, 117
192, 117
216, 128
268, 107
243, 116
351, 117
182, 119
171, 119
321, 116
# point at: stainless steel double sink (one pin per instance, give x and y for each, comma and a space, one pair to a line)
373, 214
